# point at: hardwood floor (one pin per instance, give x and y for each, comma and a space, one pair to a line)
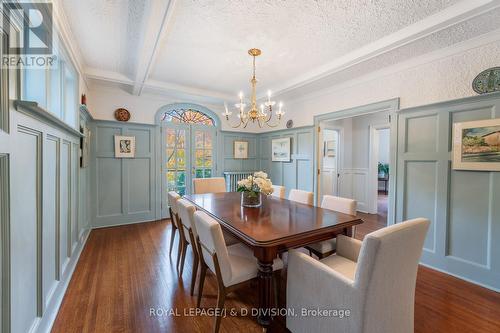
126, 282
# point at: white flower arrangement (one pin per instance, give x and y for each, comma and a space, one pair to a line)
258, 183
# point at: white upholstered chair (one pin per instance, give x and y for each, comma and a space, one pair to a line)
172, 197
186, 218
374, 280
209, 185
342, 205
232, 265
301, 196
279, 191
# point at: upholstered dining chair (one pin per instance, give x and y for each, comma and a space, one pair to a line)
232, 265
374, 280
172, 198
186, 212
279, 191
209, 185
342, 205
301, 196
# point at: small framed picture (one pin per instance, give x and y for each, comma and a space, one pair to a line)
281, 150
124, 146
240, 149
476, 145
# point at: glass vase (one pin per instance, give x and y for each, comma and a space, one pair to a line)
251, 199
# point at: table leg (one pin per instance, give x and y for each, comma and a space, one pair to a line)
265, 276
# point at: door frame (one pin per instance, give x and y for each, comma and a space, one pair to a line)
391, 105
373, 166
161, 203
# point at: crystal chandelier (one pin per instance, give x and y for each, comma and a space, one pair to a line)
263, 115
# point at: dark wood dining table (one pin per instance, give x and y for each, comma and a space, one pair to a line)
275, 227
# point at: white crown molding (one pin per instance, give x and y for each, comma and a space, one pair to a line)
68, 39
107, 76
159, 86
156, 24
463, 11
452, 15
490, 37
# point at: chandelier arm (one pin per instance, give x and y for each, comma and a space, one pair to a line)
270, 114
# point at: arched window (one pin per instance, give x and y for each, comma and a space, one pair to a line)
187, 116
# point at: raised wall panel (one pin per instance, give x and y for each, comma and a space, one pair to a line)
109, 186
421, 134
469, 216
50, 248
74, 196
26, 232
420, 195
5, 304
303, 168
105, 139
65, 208
142, 140
139, 197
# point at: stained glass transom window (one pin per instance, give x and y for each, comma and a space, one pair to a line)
187, 116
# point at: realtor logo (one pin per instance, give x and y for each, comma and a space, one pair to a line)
33, 48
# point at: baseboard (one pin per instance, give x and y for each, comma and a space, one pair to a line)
44, 325
124, 223
461, 277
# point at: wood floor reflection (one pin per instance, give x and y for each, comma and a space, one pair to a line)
126, 282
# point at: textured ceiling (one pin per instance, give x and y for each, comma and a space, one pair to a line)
207, 44
199, 47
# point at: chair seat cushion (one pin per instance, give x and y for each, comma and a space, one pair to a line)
244, 265
342, 265
324, 246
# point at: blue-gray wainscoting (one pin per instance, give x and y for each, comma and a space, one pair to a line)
464, 206
299, 172
123, 190
42, 235
226, 160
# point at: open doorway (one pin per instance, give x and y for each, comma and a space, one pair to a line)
330, 162
379, 169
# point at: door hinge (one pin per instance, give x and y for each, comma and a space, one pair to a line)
319, 172
319, 129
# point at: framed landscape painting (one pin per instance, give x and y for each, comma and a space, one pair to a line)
476, 145
281, 150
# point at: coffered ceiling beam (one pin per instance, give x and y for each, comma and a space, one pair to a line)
156, 23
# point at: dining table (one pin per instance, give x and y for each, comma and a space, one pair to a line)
277, 226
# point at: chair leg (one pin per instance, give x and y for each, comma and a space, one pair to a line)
184, 250
172, 237
221, 298
195, 271
203, 273
179, 249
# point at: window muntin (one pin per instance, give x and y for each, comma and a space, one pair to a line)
187, 116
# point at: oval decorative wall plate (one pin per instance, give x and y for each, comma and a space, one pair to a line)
487, 81
122, 114
289, 124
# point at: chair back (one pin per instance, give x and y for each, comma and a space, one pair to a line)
211, 241
209, 185
172, 198
386, 274
338, 204
186, 215
301, 196
279, 191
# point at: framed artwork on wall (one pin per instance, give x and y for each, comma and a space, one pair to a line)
476, 145
124, 146
240, 149
281, 150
